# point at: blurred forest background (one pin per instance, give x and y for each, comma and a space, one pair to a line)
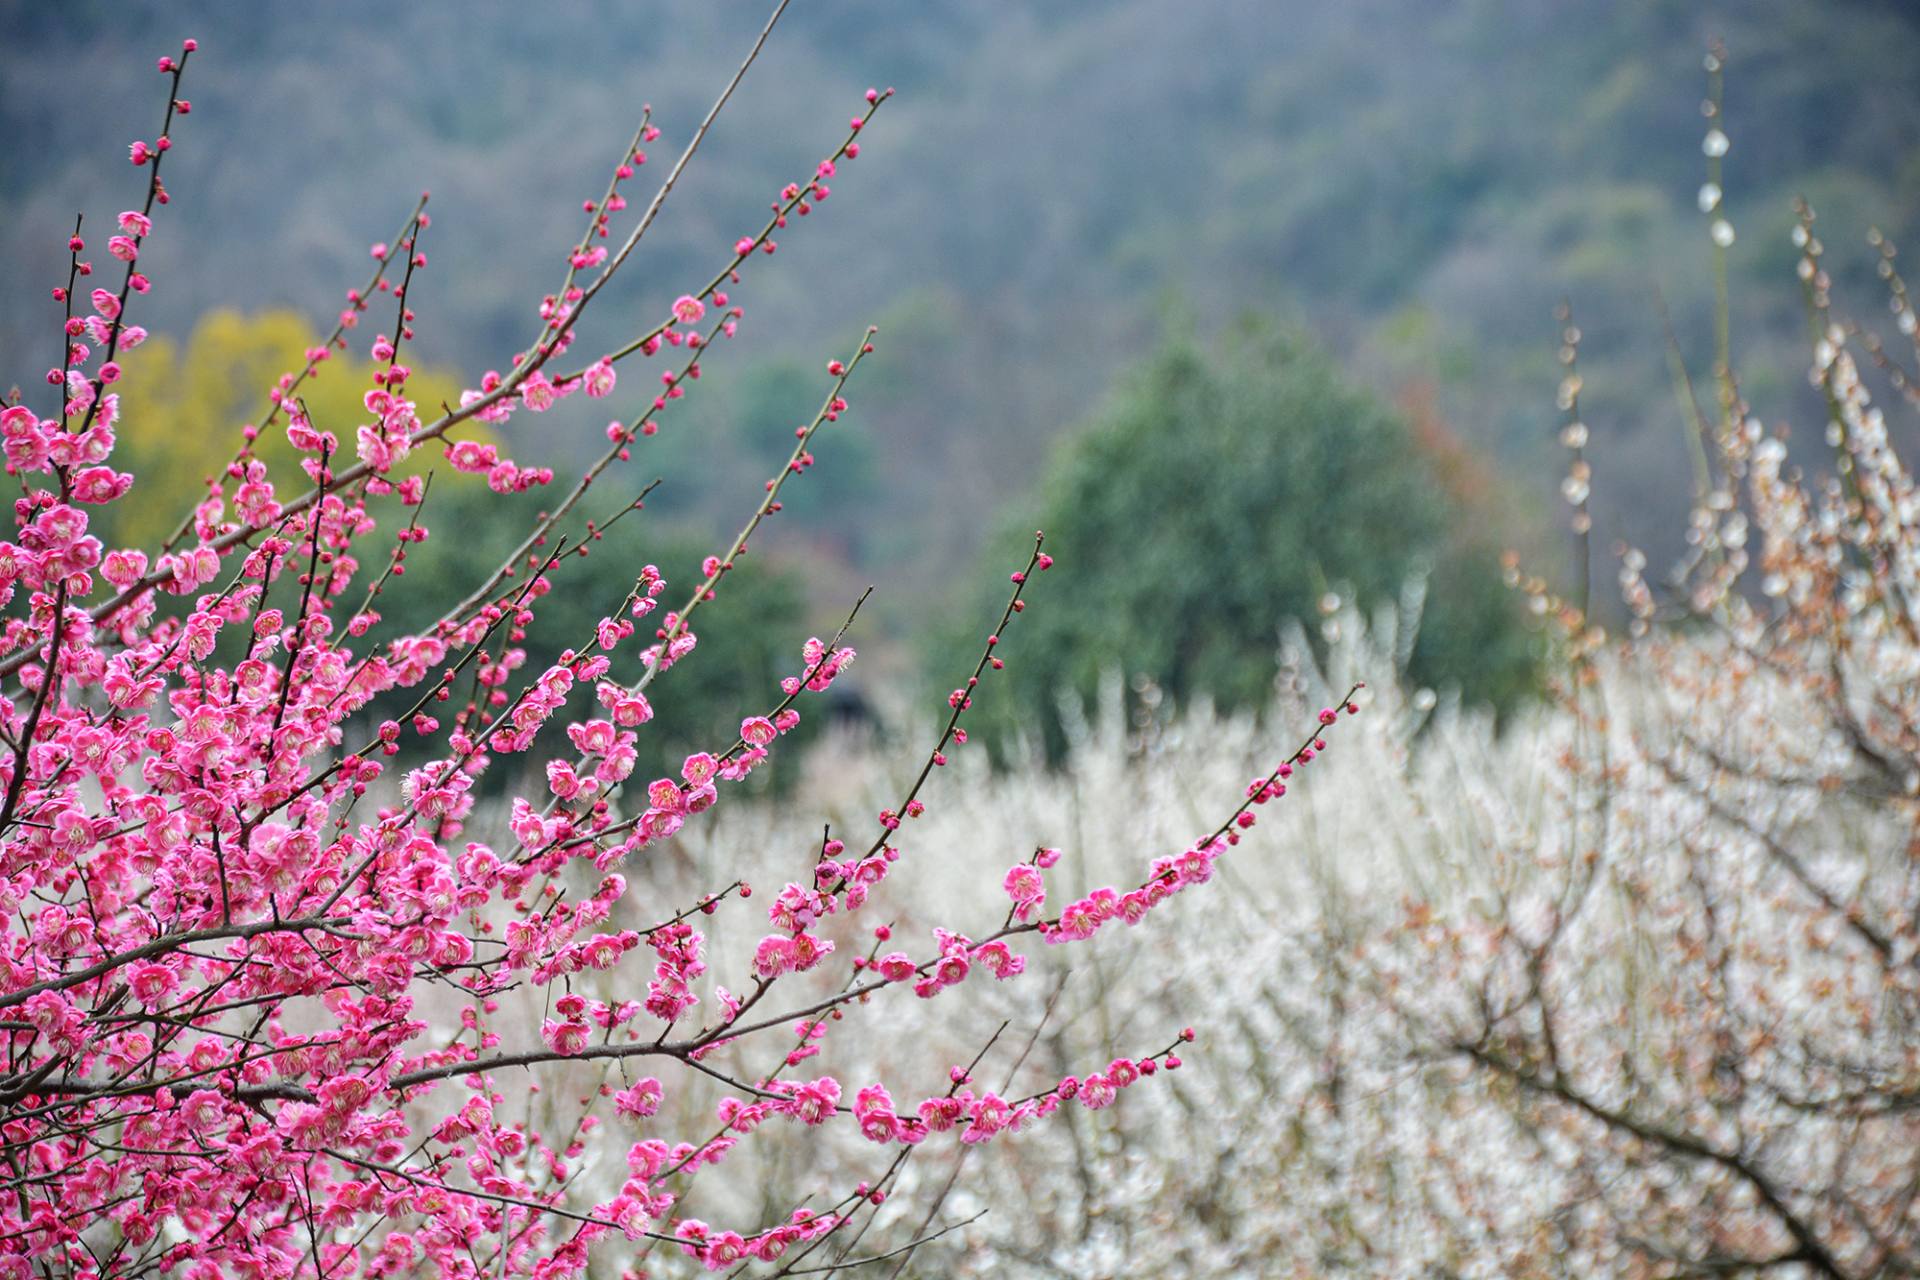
1153, 275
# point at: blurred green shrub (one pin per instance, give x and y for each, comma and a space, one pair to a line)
1222, 491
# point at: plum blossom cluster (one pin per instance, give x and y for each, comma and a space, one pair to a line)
264, 943
1170, 874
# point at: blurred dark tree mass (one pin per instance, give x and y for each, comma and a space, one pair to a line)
1221, 492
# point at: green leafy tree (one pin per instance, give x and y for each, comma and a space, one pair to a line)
1223, 492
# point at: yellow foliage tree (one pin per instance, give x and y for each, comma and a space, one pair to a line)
182, 413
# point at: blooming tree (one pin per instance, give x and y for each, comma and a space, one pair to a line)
1631, 990
274, 985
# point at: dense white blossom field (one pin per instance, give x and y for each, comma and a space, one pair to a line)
1623, 989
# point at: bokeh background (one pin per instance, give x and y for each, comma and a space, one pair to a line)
1110, 246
